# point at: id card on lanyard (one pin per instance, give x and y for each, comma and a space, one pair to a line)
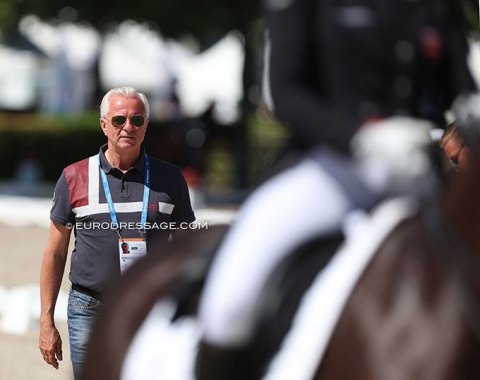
130, 250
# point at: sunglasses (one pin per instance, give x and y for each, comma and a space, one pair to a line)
120, 120
454, 158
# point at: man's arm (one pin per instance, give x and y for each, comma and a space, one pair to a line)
51, 275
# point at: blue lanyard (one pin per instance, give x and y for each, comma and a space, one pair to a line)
146, 195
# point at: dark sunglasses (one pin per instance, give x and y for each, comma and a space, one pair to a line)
454, 158
136, 120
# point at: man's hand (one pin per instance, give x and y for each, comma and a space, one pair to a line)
50, 345
53, 266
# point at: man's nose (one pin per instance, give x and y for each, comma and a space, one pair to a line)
128, 125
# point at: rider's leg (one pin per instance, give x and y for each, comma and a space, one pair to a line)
292, 207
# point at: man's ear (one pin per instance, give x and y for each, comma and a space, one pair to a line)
103, 125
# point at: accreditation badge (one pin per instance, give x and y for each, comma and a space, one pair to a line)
131, 250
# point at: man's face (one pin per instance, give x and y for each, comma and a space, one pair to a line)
128, 135
458, 153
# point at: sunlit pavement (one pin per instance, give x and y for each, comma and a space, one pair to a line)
19, 304
24, 222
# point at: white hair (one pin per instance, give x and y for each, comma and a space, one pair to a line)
127, 92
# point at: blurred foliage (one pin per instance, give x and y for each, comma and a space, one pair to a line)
219, 163
207, 20
54, 141
63, 139
59, 141
267, 137
28, 122
472, 14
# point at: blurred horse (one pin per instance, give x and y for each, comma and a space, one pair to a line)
132, 298
415, 312
410, 311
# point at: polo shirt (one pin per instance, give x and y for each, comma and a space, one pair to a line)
79, 202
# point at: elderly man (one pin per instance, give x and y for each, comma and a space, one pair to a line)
120, 195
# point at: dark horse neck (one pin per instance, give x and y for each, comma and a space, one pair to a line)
460, 203
414, 312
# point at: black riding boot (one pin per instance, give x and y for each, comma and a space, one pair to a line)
216, 363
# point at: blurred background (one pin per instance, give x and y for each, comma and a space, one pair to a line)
200, 64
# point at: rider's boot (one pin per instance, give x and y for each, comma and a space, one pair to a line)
218, 363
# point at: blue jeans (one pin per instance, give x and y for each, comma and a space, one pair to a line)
81, 314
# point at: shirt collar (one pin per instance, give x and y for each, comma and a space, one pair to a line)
139, 165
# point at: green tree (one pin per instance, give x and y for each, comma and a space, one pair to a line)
207, 20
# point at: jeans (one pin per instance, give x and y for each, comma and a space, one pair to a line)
82, 310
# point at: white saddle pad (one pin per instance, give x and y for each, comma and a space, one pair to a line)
322, 304
161, 350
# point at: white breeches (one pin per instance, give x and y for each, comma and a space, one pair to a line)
290, 208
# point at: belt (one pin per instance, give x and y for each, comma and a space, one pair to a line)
88, 292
